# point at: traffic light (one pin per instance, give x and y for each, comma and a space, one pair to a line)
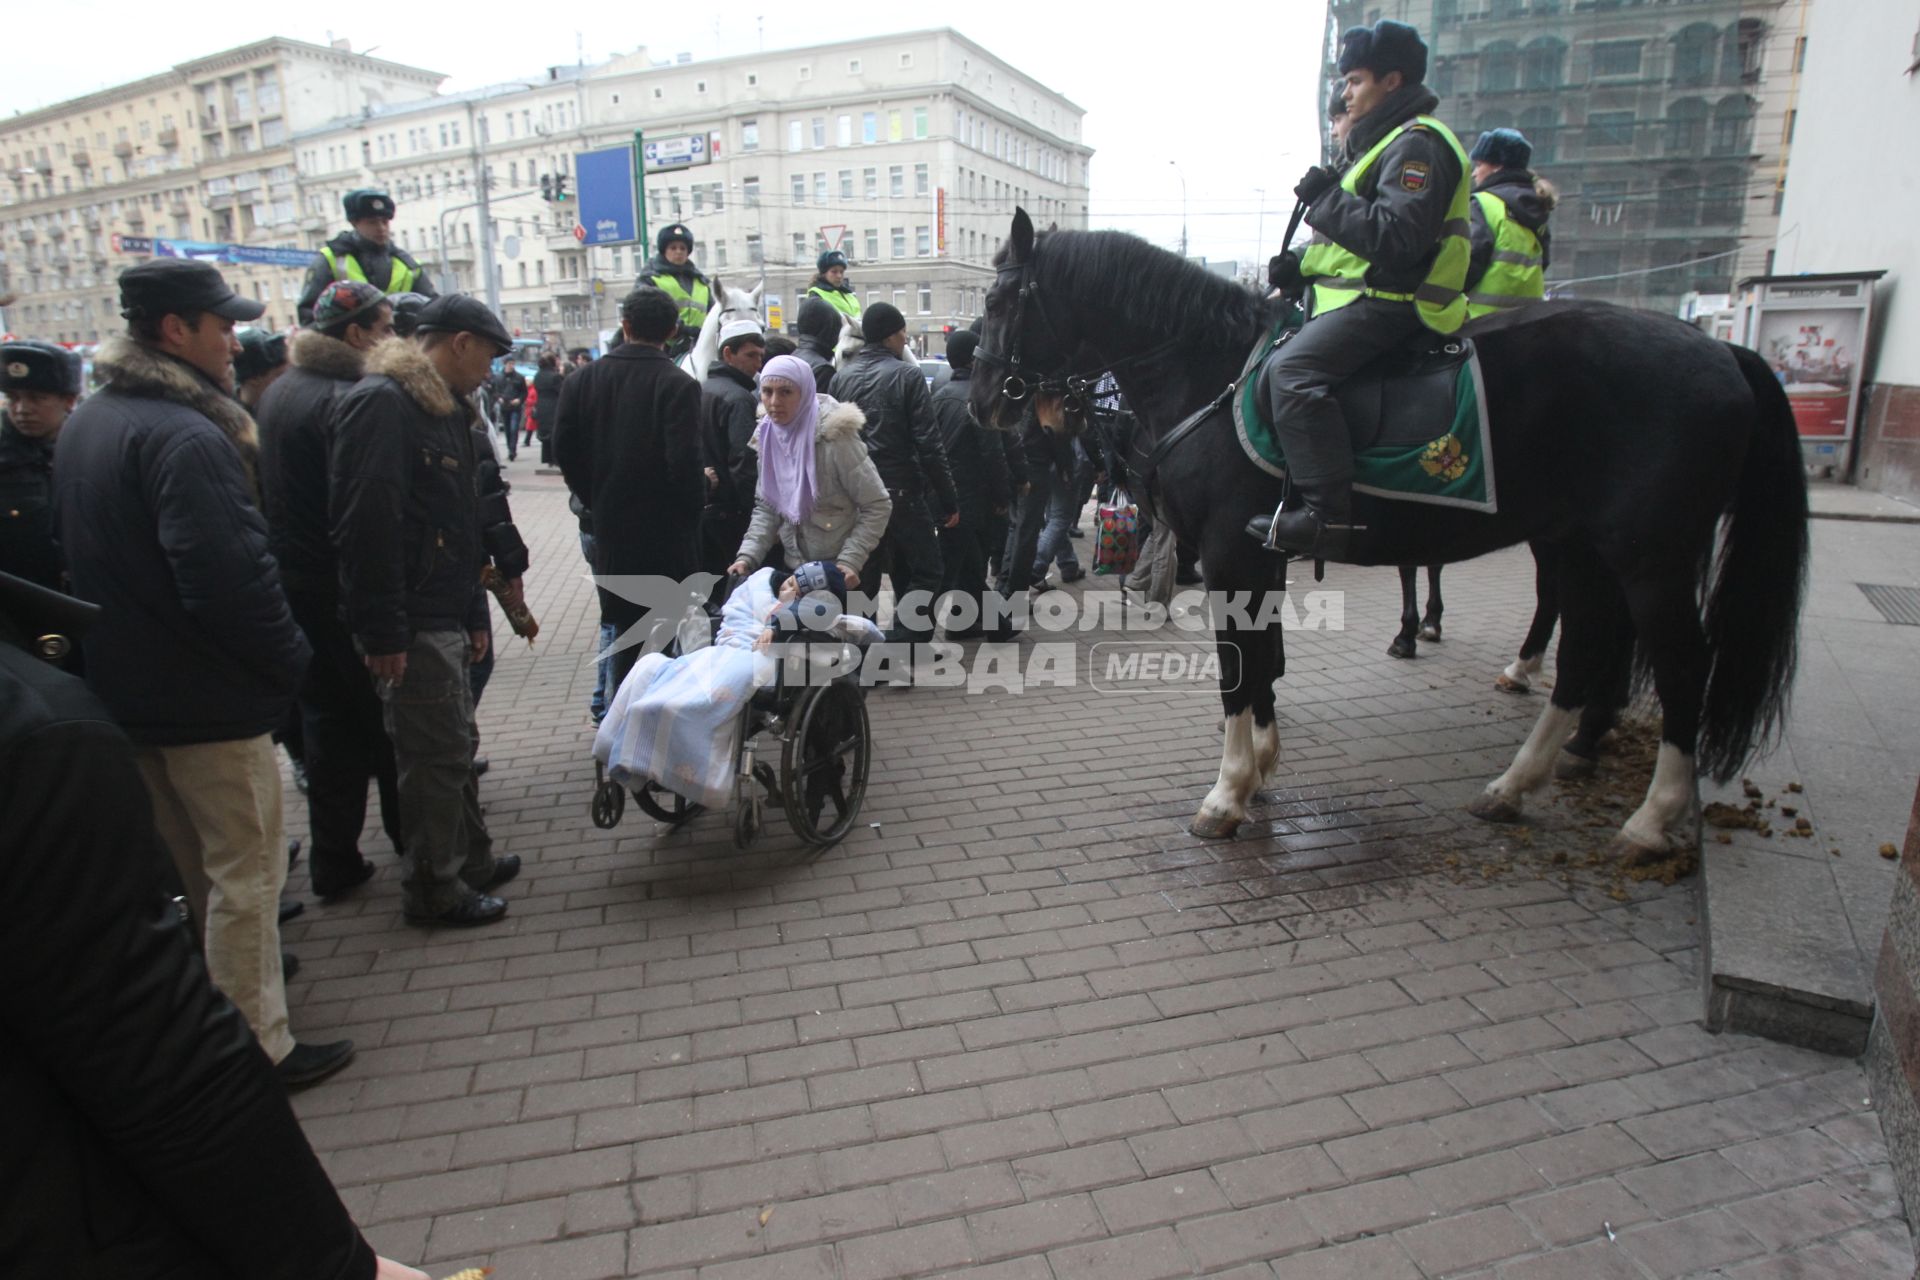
560, 187
546, 187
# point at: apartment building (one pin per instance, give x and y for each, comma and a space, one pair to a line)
196, 155
1665, 124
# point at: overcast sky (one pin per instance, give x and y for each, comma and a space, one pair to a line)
1227, 90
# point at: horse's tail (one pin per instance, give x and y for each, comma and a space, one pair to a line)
1753, 606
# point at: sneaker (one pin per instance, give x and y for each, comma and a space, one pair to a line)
1073, 574
312, 1063
1076, 532
481, 908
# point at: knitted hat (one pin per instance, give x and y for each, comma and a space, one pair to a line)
1507, 148
881, 321
345, 302
960, 349
1390, 46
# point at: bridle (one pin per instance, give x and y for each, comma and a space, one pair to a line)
1021, 381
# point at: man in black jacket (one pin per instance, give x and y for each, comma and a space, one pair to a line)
817, 334
905, 447
978, 458
365, 253
510, 393
42, 382
729, 412
407, 527
346, 743
195, 654
147, 1135
628, 443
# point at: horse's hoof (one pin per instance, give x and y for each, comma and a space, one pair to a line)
1569, 767
1630, 853
1403, 647
1507, 684
1430, 631
1214, 828
1489, 807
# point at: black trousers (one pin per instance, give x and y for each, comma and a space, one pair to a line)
909, 553
964, 549
1299, 384
1028, 518
346, 742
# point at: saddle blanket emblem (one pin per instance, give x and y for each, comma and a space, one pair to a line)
1427, 432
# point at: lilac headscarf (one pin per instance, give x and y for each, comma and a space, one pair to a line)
786, 453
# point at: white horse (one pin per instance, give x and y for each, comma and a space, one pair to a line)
728, 305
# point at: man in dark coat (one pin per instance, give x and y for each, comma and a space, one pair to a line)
405, 509
510, 393
905, 447
817, 332
345, 741
977, 456
366, 253
729, 412
628, 443
146, 1133
196, 653
42, 383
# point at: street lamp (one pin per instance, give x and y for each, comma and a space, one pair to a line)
1183, 205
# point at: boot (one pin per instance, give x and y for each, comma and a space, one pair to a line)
1319, 528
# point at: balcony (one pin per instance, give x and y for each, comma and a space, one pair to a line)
43, 167
568, 289
169, 137
180, 209
28, 234
123, 149
220, 200
82, 158
136, 217
92, 219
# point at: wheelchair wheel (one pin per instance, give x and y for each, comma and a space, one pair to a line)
824, 761
609, 802
663, 805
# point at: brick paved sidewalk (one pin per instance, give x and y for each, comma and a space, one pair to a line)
1024, 1026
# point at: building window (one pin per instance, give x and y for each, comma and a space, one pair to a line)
699, 86
1687, 127
926, 297
846, 184
843, 131
899, 242
750, 188
752, 79
1610, 128
799, 182
1499, 67
819, 132
894, 131
1723, 192
1677, 203
719, 257
922, 242
900, 299
1732, 126
872, 177
873, 244
795, 135
919, 120
799, 246
896, 181
853, 66
1693, 50
1542, 127
755, 254
921, 185
906, 60
1541, 63
819, 188
869, 126
806, 72
749, 135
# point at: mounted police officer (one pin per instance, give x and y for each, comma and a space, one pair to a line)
1389, 257
830, 285
1511, 243
365, 253
672, 269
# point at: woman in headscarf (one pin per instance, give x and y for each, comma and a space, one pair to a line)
818, 493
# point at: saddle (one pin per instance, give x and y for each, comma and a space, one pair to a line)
1407, 396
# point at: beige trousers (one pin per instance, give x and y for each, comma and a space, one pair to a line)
217, 805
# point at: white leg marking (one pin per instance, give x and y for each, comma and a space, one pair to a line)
1520, 673
1238, 776
1534, 765
1671, 797
1266, 748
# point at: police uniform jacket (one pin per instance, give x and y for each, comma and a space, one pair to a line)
155, 507
27, 547
405, 503
1515, 189
1395, 220
376, 261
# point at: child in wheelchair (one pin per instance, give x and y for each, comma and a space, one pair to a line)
674, 719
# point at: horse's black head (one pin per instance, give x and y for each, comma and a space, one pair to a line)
1021, 355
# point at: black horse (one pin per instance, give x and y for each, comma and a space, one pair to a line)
1624, 438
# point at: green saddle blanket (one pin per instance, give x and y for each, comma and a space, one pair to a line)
1418, 423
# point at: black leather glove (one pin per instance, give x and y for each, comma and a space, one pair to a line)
1283, 272
1314, 183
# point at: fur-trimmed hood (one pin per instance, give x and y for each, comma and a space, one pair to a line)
839, 419
329, 357
134, 369
402, 360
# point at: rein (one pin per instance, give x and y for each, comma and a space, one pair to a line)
1075, 387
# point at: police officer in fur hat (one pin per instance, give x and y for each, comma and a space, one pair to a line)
366, 252
1389, 258
672, 269
42, 383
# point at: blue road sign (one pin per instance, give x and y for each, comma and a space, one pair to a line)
608, 212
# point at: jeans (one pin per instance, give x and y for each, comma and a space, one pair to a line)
429, 716
603, 667
909, 553
1029, 516
510, 424
1065, 498
217, 808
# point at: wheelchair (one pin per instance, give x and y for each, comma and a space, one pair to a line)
813, 720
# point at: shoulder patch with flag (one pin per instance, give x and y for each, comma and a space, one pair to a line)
1413, 175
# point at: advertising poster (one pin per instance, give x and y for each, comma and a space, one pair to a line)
1816, 355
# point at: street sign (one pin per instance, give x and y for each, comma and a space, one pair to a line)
609, 207
775, 316
679, 151
511, 246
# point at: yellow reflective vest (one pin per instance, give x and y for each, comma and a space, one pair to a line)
843, 302
1339, 276
693, 305
1518, 273
401, 281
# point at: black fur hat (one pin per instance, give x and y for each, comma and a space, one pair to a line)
1390, 46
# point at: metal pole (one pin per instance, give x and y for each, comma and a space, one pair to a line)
1260, 241
640, 190
1183, 205
486, 217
